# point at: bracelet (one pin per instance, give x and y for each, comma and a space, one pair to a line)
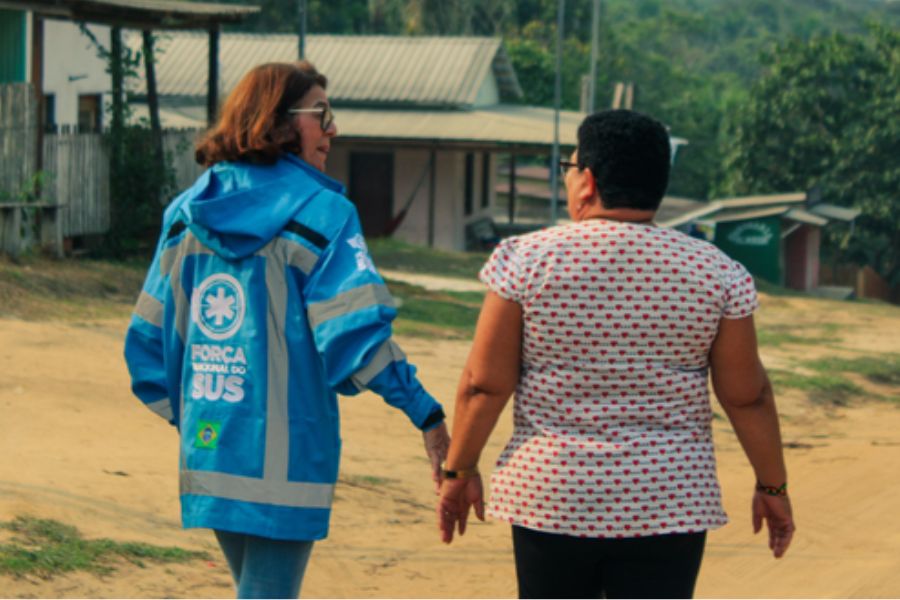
770, 490
459, 473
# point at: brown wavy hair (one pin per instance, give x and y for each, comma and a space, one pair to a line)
254, 125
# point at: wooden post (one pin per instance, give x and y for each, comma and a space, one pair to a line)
212, 89
117, 127
432, 191
511, 199
37, 82
629, 96
153, 98
301, 29
117, 72
51, 229
617, 95
10, 228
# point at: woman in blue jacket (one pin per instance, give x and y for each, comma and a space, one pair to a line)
261, 304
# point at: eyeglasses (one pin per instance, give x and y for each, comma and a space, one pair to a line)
565, 165
325, 120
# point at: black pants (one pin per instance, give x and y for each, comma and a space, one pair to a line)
560, 566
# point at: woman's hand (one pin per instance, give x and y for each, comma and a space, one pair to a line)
776, 510
437, 441
457, 496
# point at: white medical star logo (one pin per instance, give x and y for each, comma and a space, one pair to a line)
219, 307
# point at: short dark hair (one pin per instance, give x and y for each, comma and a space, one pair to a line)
629, 155
255, 125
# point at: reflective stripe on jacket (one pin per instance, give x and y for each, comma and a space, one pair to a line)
241, 342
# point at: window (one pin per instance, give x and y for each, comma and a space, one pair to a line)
470, 184
89, 116
50, 113
372, 190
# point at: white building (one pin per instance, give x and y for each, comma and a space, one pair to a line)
421, 120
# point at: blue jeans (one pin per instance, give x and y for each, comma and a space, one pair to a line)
264, 567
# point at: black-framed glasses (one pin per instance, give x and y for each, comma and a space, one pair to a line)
326, 117
565, 165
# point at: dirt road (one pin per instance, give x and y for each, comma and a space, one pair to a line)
77, 447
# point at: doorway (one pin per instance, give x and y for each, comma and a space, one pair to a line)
372, 190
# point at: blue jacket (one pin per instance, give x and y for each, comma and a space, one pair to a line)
261, 303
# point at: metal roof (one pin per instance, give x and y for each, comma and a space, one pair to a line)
435, 72
142, 14
758, 213
791, 206
764, 200
507, 125
674, 206
803, 216
512, 126
749, 202
830, 211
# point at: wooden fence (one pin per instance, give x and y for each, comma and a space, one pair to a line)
18, 166
77, 178
73, 179
178, 144
18, 138
77, 166
866, 283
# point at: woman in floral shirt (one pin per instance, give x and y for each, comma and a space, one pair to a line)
607, 330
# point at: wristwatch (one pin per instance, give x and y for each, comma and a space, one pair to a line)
459, 473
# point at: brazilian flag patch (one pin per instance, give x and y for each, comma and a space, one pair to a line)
207, 435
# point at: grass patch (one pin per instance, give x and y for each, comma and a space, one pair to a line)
771, 289
367, 480
778, 335
36, 288
822, 388
400, 256
435, 314
45, 547
883, 369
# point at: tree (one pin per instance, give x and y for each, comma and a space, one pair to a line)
827, 112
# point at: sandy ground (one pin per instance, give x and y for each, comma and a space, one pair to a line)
77, 447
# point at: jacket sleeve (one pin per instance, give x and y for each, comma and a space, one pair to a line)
144, 349
350, 311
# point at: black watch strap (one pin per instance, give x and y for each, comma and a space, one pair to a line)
433, 419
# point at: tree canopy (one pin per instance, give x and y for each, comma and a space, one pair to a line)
826, 112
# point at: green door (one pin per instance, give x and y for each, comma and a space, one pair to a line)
755, 243
12, 46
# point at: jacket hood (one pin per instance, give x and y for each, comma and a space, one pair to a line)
236, 208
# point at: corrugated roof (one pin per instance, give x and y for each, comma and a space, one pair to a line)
439, 72
757, 213
674, 206
503, 124
754, 207
830, 211
802, 216
507, 125
763, 200
138, 13
175, 6
748, 202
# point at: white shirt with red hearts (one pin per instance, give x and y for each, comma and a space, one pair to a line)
612, 415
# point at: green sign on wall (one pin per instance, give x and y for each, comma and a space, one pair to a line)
755, 243
12, 46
